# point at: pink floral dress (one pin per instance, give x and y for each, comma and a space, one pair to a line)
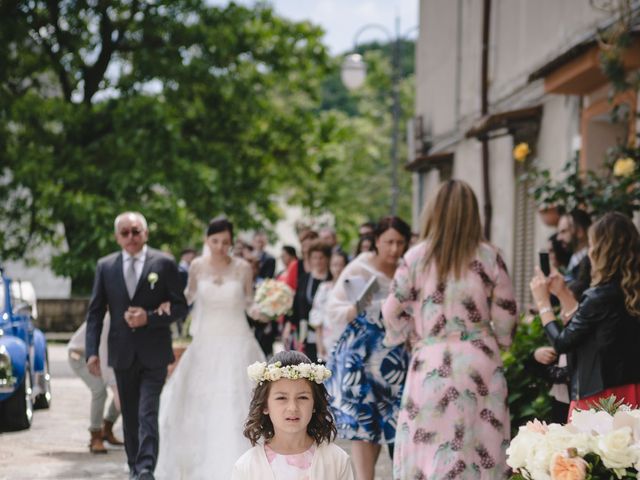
453, 420
290, 467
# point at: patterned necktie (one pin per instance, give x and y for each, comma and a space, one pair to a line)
131, 279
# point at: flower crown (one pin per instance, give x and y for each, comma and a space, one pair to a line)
261, 372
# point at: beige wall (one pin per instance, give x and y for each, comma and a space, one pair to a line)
502, 195
525, 35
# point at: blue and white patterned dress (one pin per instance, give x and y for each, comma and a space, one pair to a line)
366, 385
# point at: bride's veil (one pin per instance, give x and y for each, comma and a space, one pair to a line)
205, 249
195, 308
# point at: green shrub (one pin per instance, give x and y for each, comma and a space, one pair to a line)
528, 391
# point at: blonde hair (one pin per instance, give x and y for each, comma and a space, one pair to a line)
615, 256
452, 229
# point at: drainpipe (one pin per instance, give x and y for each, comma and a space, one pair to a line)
486, 185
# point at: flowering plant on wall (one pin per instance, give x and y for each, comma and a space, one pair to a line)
521, 152
616, 186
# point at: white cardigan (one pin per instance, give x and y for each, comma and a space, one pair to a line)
329, 462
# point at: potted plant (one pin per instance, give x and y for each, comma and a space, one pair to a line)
614, 187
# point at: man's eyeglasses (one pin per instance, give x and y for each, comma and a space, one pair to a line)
134, 232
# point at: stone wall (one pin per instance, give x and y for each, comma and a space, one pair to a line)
61, 314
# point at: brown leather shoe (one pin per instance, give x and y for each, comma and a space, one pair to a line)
96, 445
107, 434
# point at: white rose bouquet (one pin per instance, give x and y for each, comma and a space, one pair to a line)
600, 443
273, 298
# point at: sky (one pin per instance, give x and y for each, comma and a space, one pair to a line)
341, 19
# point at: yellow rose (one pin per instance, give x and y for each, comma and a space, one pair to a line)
521, 152
624, 167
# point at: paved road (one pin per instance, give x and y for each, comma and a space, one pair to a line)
56, 445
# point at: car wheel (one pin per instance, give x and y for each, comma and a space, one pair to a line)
43, 400
18, 409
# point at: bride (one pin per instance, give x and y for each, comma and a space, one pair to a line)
204, 404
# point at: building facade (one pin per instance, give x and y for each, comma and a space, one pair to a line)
540, 82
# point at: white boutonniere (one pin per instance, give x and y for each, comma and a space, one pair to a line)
152, 279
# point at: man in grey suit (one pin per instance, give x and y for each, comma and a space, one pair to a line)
142, 290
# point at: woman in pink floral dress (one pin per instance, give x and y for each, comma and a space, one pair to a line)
453, 302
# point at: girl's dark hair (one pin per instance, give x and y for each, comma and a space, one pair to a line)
220, 224
361, 240
290, 250
387, 223
340, 253
321, 427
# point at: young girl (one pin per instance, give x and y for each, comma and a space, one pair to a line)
290, 410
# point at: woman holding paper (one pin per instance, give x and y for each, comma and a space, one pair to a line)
367, 380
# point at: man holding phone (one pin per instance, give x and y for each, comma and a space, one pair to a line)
573, 231
545, 267
573, 234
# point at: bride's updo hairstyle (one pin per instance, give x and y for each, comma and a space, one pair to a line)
220, 224
321, 427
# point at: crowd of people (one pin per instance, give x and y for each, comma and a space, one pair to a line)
397, 345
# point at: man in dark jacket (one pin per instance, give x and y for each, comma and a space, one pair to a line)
142, 290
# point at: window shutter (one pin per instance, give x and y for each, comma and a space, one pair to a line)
524, 256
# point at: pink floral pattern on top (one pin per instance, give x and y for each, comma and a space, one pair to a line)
453, 421
290, 467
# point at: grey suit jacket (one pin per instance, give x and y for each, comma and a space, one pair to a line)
151, 344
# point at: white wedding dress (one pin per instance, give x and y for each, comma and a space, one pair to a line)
205, 402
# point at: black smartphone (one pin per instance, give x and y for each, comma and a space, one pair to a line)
544, 263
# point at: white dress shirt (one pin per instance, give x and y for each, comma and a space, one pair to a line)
141, 256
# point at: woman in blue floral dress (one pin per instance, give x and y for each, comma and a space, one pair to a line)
367, 381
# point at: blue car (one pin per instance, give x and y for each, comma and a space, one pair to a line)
25, 382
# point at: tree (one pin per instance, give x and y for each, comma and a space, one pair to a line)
172, 107
349, 162
336, 96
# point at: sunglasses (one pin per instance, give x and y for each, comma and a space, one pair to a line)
133, 232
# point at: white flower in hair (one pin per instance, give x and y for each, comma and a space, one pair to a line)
305, 370
320, 373
256, 371
261, 372
273, 373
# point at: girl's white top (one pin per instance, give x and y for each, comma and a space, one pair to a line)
329, 462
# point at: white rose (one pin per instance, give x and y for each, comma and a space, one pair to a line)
615, 448
256, 370
538, 448
320, 373
520, 447
325, 374
540, 458
589, 421
290, 372
304, 369
628, 418
274, 373
561, 437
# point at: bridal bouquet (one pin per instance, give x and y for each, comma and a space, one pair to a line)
273, 298
600, 443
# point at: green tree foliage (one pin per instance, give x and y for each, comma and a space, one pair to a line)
183, 111
172, 107
335, 95
350, 155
